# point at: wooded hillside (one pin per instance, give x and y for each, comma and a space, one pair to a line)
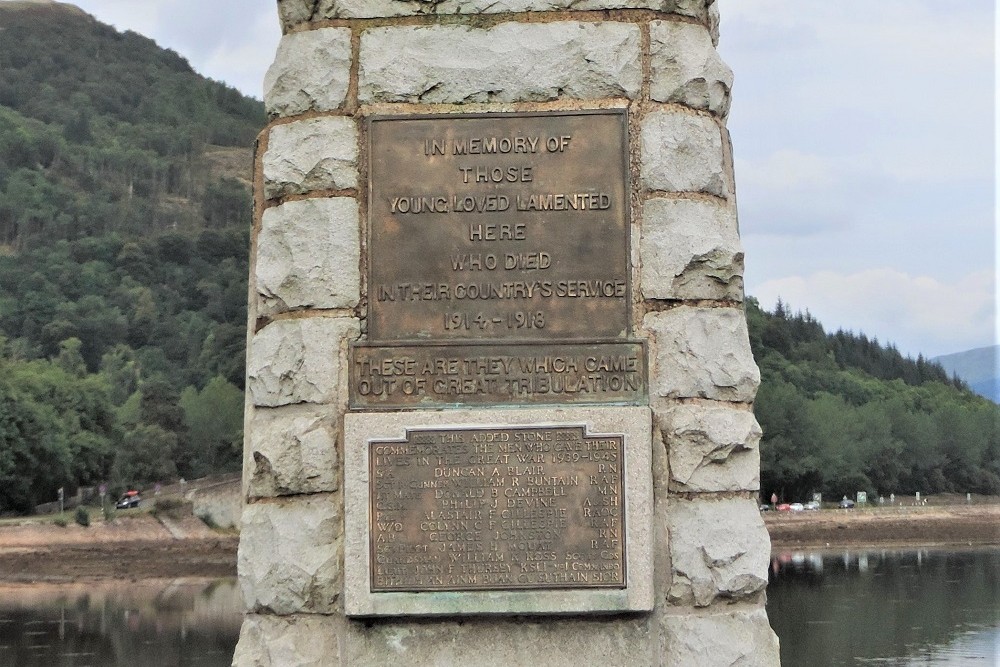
842, 413
124, 228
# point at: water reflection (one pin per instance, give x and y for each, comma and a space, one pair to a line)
934, 607
181, 622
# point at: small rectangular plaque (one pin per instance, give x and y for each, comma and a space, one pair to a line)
389, 570
413, 376
499, 227
458, 509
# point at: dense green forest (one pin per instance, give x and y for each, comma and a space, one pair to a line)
842, 413
124, 225
124, 228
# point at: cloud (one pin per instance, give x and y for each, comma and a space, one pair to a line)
227, 40
918, 313
779, 194
242, 63
906, 85
787, 168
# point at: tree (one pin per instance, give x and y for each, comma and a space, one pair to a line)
70, 359
120, 371
214, 417
56, 430
146, 455
34, 457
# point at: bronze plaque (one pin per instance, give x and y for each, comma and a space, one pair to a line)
496, 509
415, 376
499, 227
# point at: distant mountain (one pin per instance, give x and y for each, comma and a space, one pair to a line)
979, 367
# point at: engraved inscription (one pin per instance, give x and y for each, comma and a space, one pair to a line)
499, 227
497, 508
424, 375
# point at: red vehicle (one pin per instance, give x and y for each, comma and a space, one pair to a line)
784, 507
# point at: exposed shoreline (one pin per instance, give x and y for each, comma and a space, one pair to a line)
133, 548
138, 547
901, 526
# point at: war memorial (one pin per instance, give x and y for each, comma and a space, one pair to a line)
499, 380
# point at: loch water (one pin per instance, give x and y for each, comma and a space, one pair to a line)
932, 607
120, 623
881, 607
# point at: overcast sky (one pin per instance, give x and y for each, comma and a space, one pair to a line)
864, 135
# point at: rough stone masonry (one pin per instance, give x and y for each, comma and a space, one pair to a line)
340, 62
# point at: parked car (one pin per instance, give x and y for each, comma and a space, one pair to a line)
783, 507
129, 499
796, 507
846, 504
765, 507
812, 505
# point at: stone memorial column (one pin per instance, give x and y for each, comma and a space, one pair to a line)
499, 381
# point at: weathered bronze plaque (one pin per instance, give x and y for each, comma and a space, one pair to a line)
413, 376
499, 227
496, 509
